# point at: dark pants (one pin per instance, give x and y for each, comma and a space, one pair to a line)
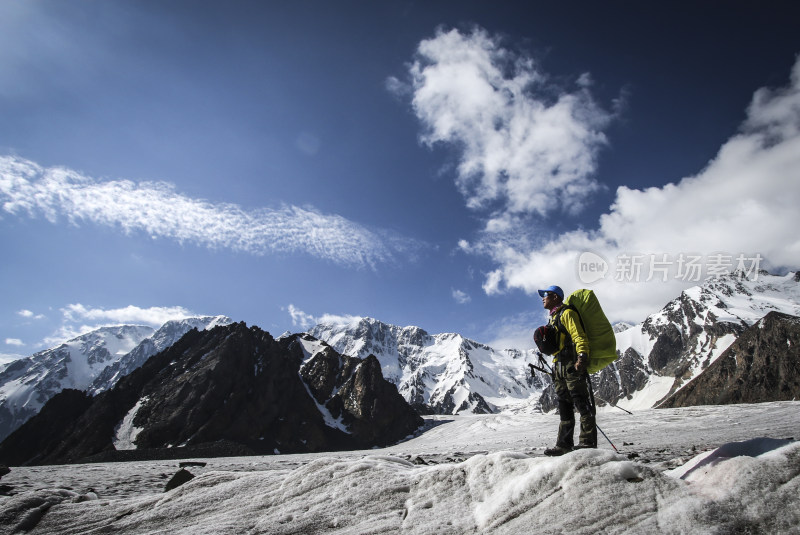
572, 389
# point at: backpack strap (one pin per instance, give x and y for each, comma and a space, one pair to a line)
557, 319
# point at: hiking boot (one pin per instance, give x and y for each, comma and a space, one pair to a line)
556, 451
585, 446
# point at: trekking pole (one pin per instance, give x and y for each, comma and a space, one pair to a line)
537, 368
615, 406
542, 362
594, 410
545, 364
609, 440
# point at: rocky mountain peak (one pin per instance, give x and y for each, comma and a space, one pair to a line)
26, 384
675, 345
232, 389
442, 373
763, 364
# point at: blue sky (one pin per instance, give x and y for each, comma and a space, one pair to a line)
422, 163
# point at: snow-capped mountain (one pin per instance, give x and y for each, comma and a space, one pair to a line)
443, 373
675, 345
26, 384
447, 373
164, 337
231, 390
93, 362
762, 365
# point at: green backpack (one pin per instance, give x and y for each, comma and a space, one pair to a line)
600, 334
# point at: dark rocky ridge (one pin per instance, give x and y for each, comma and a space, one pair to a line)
231, 390
763, 364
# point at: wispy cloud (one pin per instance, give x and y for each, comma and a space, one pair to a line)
157, 209
516, 331
153, 316
78, 319
14, 342
461, 297
525, 144
306, 321
5, 358
300, 318
744, 201
30, 315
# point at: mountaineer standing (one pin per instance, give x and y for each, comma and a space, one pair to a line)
570, 352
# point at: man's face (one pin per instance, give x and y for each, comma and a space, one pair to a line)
549, 300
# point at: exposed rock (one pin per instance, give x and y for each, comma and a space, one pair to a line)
683, 339
232, 390
34, 440
441, 373
763, 364
26, 384
181, 476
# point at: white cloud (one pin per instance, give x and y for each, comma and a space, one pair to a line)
300, 318
339, 319
14, 342
28, 314
524, 143
461, 297
5, 358
79, 319
744, 202
67, 332
516, 332
153, 316
157, 209
306, 321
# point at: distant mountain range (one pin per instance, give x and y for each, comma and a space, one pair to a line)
695, 339
675, 345
231, 390
93, 362
446, 373
440, 373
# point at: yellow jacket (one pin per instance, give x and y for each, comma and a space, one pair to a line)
571, 321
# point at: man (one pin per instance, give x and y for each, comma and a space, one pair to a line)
569, 374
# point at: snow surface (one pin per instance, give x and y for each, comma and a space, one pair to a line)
656, 388
677, 471
125, 434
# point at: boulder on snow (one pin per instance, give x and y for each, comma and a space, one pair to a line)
181, 476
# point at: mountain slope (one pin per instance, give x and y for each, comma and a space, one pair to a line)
93, 362
675, 345
446, 373
27, 384
229, 390
442, 373
763, 364
165, 336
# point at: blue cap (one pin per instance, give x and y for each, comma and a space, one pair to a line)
555, 289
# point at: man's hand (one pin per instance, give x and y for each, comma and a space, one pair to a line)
581, 363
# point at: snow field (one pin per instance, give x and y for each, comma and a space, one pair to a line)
490, 478
503, 492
